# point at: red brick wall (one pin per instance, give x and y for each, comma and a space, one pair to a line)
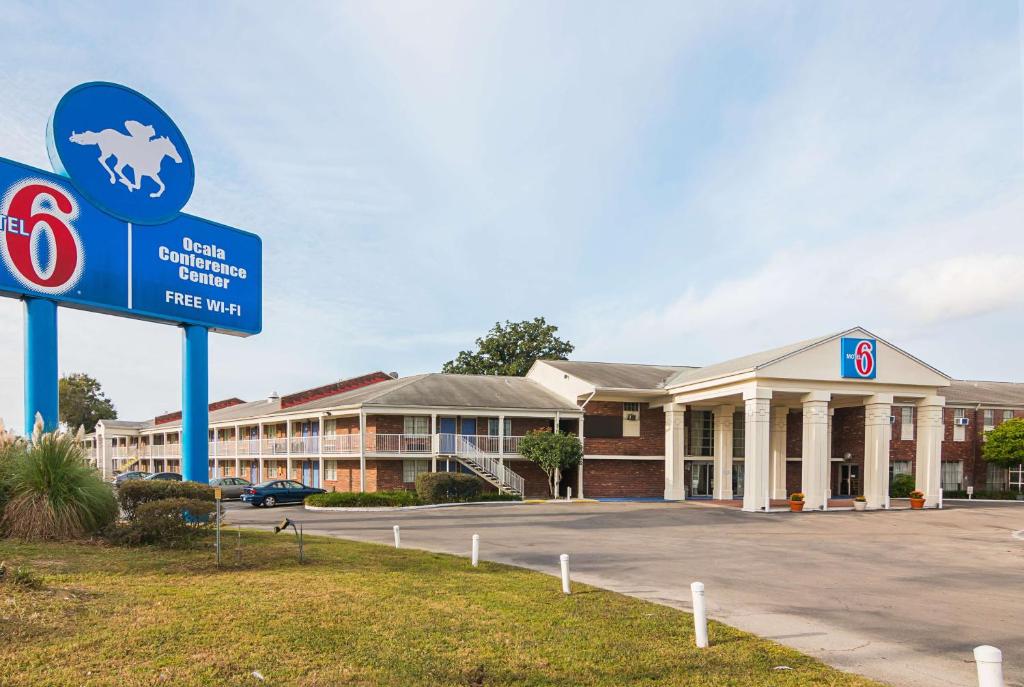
381, 475
847, 433
535, 480
624, 478
651, 441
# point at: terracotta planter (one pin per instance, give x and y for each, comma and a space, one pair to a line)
916, 504
796, 506
860, 505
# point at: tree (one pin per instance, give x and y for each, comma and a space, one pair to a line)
511, 349
83, 403
1004, 445
553, 452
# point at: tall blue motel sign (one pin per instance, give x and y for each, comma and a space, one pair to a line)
106, 234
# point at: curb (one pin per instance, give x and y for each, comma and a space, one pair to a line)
391, 509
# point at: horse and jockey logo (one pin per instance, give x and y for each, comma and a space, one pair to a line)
122, 152
139, 149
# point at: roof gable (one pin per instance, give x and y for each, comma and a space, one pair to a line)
821, 359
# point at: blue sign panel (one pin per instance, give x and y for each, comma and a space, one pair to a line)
55, 244
122, 152
859, 358
192, 270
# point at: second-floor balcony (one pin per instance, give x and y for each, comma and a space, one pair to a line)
376, 444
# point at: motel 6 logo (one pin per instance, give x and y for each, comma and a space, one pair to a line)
41, 247
859, 358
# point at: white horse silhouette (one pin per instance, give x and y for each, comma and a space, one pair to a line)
137, 149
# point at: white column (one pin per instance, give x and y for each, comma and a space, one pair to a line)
288, 449
435, 442
579, 471
675, 429
814, 468
928, 469
362, 450
261, 470
757, 408
723, 452
320, 449
777, 443
877, 433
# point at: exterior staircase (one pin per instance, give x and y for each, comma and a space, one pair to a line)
488, 467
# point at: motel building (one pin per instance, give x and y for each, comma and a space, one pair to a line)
747, 431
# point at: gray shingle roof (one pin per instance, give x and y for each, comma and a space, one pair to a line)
618, 375
964, 391
448, 390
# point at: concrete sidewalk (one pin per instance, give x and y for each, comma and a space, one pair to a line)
900, 596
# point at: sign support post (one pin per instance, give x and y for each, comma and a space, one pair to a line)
195, 418
40, 363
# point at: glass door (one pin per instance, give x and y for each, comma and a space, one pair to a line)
702, 478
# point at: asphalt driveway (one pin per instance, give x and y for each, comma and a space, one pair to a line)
900, 596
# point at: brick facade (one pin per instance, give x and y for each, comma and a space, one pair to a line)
624, 478
651, 441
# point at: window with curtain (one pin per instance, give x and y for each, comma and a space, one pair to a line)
907, 423
702, 433
952, 475
739, 434
416, 424
412, 468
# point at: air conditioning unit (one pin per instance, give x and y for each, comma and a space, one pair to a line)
961, 421
892, 419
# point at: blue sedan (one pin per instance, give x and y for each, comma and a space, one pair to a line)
277, 491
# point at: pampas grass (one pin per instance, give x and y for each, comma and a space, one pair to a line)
52, 491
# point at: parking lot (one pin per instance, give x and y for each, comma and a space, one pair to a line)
900, 596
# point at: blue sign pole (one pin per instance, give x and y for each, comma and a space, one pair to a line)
195, 418
40, 363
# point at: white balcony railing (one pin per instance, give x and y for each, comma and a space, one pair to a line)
305, 445
340, 444
400, 443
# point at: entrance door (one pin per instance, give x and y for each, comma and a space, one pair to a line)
469, 432
446, 428
702, 478
849, 480
307, 473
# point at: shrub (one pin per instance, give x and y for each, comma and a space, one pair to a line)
347, 499
796, 496
497, 496
448, 487
52, 492
901, 486
167, 522
916, 494
134, 493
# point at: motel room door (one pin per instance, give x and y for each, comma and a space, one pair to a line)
702, 478
446, 428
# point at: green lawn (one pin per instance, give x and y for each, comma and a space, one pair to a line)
357, 614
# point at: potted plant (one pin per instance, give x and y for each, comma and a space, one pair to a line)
796, 502
860, 503
916, 499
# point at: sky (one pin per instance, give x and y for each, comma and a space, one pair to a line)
673, 183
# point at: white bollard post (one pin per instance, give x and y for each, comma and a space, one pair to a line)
398, 537
700, 615
568, 493
564, 560
990, 666
476, 550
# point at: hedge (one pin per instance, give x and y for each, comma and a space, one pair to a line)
168, 522
448, 487
901, 486
134, 493
349, 499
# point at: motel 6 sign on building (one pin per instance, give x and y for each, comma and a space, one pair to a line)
859, 358
106, 233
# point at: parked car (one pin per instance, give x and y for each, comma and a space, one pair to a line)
129, 476
273, 492
172, 476
230, 487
